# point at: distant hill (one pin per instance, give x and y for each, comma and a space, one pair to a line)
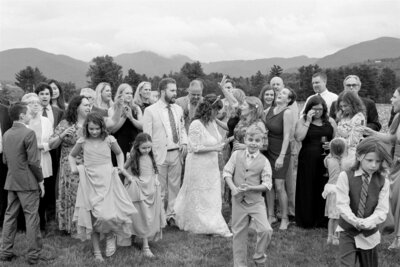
247, 68
53, 66
384, 47
150, 63
67, 69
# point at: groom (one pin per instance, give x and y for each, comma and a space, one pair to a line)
164, 122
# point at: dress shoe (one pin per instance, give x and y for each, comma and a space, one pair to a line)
8, 258
171, 222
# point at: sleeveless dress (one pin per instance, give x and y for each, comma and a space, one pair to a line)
102, 203
395, 179
310, 206
145, 193
332, 163
274, 125
198, 204
125, 137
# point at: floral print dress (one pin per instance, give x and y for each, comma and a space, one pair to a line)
67, 184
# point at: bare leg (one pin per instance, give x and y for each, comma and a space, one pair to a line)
283, 202
146, 249
270, 197
96, 247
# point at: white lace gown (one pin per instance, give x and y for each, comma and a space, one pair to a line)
198, 205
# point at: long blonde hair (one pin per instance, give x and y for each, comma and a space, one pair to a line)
121, 88
99, 89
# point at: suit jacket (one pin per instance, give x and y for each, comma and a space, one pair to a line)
155, 126
372, 113
6, 124
188, 115
58, 115
22, 157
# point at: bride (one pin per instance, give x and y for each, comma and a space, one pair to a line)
198, 204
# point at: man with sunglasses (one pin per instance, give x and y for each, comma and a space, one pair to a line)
353, 83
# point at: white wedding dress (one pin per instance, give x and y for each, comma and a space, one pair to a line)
199, 202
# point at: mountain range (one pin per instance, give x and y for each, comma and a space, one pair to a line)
65, 68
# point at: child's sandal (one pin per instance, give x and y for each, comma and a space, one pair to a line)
329, 240
284, 224
111, 245
272, 219
335, 240
97, 256
147, 252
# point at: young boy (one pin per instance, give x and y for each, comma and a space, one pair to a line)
248, 174
362, 199
24, 179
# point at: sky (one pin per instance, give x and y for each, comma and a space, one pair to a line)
202, 30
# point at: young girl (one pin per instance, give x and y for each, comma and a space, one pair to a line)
333, 164
363, 203
145, 192
102, 204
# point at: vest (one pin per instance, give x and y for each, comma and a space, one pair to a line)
374, 188
250, 175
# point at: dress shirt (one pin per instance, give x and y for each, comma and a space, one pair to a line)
165, 117
329, 98
377, 217
266, 174
50, 114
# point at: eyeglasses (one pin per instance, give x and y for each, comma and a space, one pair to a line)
352, 85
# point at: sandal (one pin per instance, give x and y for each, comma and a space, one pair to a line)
396, 244
329, 240
272, 219
284, 224
97, 256
335, 240
111, 246
147, 252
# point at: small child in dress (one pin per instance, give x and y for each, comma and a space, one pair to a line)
248, 174
145, 191
333, 164
363, 203
102, 203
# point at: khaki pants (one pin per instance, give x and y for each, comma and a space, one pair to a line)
169, 174
242, 215
29, 201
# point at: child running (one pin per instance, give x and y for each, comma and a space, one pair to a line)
248, 174
102, 203
145, 192
363, 203
333, 164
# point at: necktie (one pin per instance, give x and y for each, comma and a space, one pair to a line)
173, 124
44, 114
363, 196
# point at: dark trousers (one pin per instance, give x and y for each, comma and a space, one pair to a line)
48, 202
29, 200
349, 254
3, 193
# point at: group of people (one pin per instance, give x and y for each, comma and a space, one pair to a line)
130, 165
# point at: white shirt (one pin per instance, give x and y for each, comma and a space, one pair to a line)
377, 217
50, 114
329, 98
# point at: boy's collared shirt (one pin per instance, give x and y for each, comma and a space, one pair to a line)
266, 173
377, 217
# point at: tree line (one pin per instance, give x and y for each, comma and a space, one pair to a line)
377, 84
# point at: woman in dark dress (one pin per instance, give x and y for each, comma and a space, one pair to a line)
279, 121
129, 125
313, 125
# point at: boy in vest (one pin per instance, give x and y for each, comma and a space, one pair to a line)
363, 203
248, 174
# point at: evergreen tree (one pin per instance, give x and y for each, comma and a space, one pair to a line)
275, 71
104, 69
387, 83
28, 78
257, 82
192, 70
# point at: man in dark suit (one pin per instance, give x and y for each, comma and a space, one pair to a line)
5, 124
353, 83
55, 115
23, 182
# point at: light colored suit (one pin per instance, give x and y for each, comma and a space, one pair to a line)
169, 163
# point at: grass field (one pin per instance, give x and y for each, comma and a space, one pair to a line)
294, 247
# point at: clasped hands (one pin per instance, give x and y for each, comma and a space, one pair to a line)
364, 224
240, 189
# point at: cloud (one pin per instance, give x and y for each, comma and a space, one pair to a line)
202, 30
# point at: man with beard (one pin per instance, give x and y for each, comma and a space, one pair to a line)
189, 103
164, 122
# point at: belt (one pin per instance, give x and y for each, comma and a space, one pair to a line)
172, 149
